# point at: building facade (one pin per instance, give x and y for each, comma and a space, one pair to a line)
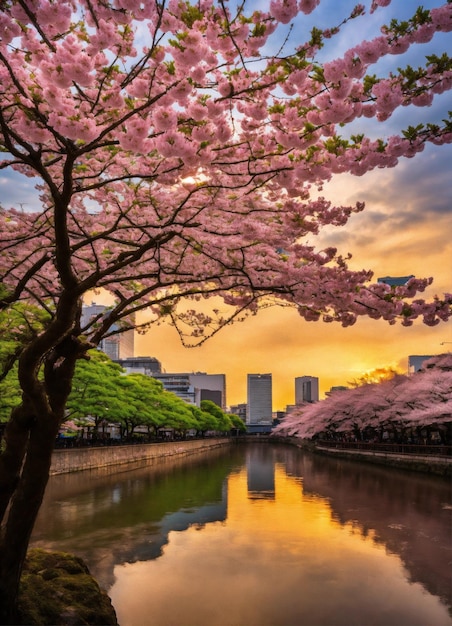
195, 387
179, 384
395, 281
141, 365
306, 389
240, 410
416, 361
259, 400
209, 387
118, 346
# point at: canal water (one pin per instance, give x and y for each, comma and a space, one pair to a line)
260, 535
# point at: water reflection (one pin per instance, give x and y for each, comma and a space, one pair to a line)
260, 473
271, 536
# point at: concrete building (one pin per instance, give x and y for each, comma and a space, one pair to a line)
209, 387
395, 281
336, 388
119, 346
306, 389
178, 384
141, 365
416, 361
195, 387
240, 410
259, 402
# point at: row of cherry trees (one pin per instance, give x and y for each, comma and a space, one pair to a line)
179, 150
403, 407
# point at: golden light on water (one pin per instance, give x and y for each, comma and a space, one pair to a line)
278, 558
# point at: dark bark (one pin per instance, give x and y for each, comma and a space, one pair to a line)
29, 443
23, 511
15, 441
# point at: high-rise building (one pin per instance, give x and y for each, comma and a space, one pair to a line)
118, 346
195, 387
259, 404
306, 389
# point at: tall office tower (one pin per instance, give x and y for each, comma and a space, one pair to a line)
306, 389
120, 346
259, 405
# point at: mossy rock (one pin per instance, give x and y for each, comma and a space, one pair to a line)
57, 588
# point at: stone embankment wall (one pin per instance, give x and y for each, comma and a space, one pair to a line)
429, 464
414, 462
80, 459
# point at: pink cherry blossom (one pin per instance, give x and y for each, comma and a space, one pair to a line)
283, 10
179, 152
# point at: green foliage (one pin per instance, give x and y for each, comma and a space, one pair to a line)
9, 393
19, 324
237, 422
95, 390
224, 424
102, 393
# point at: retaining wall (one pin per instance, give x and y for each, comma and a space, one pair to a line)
80, 459
415, 462
430, 464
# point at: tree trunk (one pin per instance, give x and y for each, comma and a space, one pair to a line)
14, 443
23, 511
25, 461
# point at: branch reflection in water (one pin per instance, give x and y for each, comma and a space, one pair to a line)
260, 536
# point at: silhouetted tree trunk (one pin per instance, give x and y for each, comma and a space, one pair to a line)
28, 444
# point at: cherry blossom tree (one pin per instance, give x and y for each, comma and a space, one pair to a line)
417, 402
179, 151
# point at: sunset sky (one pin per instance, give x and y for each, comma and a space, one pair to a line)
405, 229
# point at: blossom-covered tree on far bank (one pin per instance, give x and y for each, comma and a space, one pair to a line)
404, 408
179, 152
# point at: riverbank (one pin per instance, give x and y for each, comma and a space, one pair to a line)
111, 459
116, 458
427, 464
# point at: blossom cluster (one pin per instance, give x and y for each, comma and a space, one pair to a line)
403, 402
173, 156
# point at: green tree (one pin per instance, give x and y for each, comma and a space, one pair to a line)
237, 422
19, 325
95, 398
205, 421
141, 404
223, 423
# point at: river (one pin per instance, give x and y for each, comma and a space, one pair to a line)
259, 535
